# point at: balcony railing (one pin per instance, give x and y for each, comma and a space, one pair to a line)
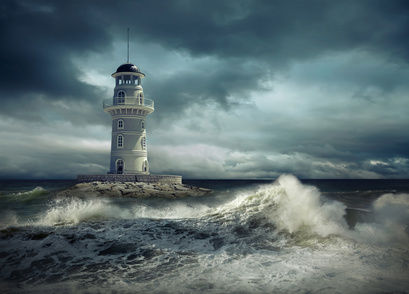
128, 101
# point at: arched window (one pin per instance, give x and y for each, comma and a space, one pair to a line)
145, 166
144, 143
143, 125
120, 124
120, 141
121, 97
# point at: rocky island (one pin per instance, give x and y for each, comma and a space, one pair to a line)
133, 190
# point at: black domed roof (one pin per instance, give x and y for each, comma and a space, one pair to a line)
128, 67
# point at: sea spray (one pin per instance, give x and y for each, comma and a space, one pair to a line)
74, 210
290, 206
230, 242
390, 215
174, 210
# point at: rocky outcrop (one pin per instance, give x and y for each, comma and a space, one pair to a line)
133, 190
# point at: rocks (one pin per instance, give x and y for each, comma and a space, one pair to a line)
133, 190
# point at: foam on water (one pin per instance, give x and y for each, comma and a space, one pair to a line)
283, 237
286, 204
75, 210
291, 207
172, 210
303, 211
391, 221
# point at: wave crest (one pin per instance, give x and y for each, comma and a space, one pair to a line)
75, 210
291, 206
37, 192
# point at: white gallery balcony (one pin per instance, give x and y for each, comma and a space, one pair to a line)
129, 102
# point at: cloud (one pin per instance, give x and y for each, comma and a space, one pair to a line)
242, 89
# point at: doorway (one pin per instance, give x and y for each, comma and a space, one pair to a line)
119, 166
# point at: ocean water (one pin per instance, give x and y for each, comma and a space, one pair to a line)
282, 236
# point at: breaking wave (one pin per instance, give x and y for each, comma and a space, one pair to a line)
66, 211
286, 205
31, 195
277, 237
303, 213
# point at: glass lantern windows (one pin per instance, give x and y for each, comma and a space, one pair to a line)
127, 80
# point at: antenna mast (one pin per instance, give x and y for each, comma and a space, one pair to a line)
127, 59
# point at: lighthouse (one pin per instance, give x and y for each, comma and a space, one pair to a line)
128, 109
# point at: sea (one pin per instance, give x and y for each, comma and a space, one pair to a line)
247, 236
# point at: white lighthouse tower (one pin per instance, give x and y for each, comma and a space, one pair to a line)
128, 109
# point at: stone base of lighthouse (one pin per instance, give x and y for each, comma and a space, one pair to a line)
118, 178
127, 186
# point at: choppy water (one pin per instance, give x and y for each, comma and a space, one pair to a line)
246, 237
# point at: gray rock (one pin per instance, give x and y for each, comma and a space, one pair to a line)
133, 190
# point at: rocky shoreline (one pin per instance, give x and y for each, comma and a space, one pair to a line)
133, 190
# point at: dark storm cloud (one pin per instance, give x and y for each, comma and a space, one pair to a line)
39, 38
278, 30
203, 86
355, 52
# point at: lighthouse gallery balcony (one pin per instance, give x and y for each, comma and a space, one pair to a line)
129, 101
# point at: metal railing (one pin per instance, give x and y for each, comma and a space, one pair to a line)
129, 101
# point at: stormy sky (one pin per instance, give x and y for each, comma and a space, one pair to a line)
242, 88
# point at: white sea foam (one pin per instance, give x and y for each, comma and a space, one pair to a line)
170, 246
391, 221
75, 210
287, 204
291, 206
299, 205
8, 219
302, 209
178, 210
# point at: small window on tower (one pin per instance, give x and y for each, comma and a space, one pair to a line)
120, 141
144, 143
120, 124
143, 125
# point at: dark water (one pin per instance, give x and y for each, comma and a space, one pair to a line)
313, 236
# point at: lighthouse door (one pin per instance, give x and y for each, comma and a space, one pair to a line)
120, 166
